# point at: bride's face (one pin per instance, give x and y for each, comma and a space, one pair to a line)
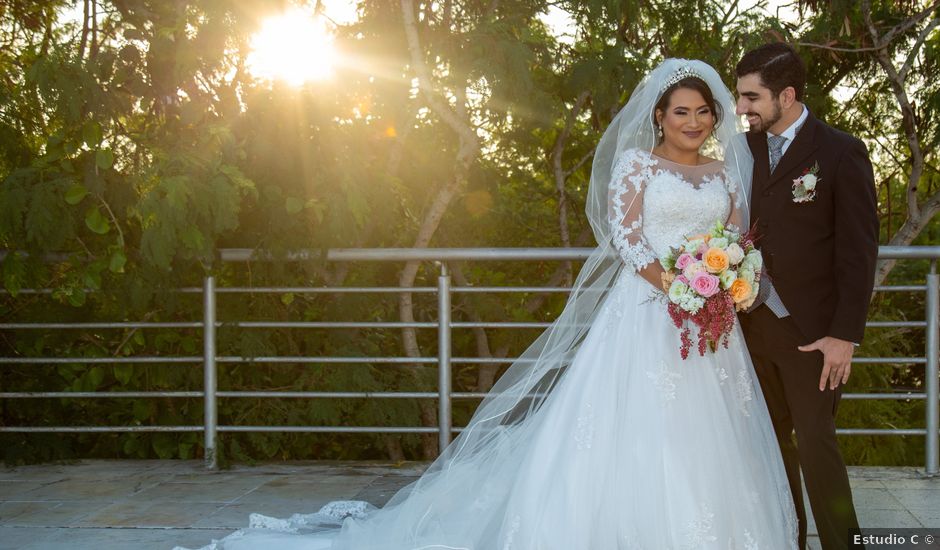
687, 120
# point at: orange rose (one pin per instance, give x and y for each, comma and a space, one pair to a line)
716, 260
740, 290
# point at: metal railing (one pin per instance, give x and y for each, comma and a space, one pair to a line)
444, 394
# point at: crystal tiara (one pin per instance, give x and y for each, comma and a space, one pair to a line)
681, 73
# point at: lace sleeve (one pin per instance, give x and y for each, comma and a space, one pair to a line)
625, 208
736, 217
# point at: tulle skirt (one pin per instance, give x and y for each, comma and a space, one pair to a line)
635, 448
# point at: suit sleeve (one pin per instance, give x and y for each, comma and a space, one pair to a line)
856, 242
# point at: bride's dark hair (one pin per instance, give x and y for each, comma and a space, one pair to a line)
690, 83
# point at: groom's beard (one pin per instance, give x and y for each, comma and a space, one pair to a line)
764, 124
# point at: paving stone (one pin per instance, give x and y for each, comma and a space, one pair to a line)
872, 518
875, 499
46, 513
917, 499
74, 489
15, 489
149, 514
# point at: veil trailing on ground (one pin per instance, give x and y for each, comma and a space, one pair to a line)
479, 466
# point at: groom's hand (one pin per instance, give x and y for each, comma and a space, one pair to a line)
837, 360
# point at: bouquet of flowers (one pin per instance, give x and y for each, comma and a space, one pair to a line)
710, 277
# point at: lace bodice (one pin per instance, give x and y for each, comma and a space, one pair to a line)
655, 203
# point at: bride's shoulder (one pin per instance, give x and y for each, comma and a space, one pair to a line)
636, 154
634, 159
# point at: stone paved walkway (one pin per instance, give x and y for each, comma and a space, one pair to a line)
106, 505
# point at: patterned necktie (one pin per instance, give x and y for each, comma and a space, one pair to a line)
776, 149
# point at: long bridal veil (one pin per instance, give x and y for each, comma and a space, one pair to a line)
454, 500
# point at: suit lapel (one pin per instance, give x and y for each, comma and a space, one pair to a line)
802, 147
760, 179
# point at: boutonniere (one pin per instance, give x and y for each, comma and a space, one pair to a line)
804, 187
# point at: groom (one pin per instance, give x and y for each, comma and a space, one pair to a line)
813, 200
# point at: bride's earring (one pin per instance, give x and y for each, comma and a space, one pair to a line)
659, 131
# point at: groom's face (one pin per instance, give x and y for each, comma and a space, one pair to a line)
757, 103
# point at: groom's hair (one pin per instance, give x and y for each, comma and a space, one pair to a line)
778, 66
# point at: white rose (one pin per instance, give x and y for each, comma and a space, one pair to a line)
747, 274
735, 253
692, 246
718, 242
727, 278
754, 260
809, 182
677, 291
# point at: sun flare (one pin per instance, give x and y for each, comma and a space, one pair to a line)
294, 47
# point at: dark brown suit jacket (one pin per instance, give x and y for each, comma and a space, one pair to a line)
821, 254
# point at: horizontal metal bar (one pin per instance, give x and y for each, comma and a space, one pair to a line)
98, 429
510, 289
901, 288
410, 254
343, 324
295, 359
872, 431
339, 395
95, 360
499, 324
324, 290
315, 359
333, 429
28, 326
324, 324
452, 254
488, 360
330, 429
898, 396
101, 394
326, 395
396, 289
888, 360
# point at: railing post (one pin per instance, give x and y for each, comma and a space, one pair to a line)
209, 385
443, 355
932, 375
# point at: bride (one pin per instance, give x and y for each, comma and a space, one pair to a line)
600, 436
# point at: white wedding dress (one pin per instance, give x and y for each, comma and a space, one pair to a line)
634, 448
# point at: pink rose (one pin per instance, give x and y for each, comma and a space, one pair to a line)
702, 249
682, 279
705, 284
684, 260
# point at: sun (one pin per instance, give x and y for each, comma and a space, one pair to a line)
294, 47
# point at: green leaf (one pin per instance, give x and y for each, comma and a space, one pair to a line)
165, 445
75, 194
76, 297
186, 451
96, 377
118, 259
193, 238
96, 222
287, 298
293, 205
104, 158
91, 133
123, 373
14, 273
